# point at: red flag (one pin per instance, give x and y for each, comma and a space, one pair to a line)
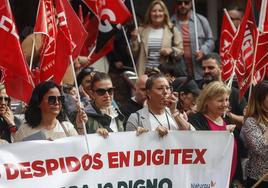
14, 70
238, 40
261, 52
64, 46
60, 42
76, 28
227, 36
90, 26
242, 49
46, 24
112, 15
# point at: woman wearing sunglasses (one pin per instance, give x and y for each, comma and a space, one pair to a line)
160, 114
8, 122
44, 115
104, 115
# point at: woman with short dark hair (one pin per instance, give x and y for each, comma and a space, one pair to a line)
44, 115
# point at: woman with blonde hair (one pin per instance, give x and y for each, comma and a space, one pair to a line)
159, 38
254, 133
212, 105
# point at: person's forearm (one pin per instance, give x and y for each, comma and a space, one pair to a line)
236, 118
181, 122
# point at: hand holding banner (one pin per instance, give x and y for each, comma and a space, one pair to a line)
181, 159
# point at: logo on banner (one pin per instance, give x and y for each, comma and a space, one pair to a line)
203, 185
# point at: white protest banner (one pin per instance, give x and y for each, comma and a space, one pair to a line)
181, 159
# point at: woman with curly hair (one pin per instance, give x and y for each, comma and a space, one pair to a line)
44, 116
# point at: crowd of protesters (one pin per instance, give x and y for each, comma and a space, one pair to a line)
178, 87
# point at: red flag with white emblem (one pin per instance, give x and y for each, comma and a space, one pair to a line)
227, 35
112, 15
13, 68
46, 24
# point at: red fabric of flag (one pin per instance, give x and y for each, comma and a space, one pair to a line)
76, 28
245, 67
46, 24
14, 71
242, 49
261, 52
64, 46
61, 41
90, 26
227, 36
112, 15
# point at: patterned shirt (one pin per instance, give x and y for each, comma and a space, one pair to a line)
253, 135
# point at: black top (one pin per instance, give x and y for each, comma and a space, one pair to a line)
130, 107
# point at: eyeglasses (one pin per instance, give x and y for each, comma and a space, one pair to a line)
52, 100
4, 99
102, 91
185, 2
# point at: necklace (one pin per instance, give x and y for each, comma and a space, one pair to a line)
218, 121
158, 119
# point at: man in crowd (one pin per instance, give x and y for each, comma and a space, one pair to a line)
184, 20
236, 14
137, 101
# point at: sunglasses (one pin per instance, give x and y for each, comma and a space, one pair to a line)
185, 2
88, 70
5, 99
102, 92
52, 100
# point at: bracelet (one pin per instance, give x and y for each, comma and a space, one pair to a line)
12, 128
176, 113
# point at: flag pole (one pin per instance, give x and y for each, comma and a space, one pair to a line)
130, 51
80, 13
32, 53
135, 19
254, 62
91, 52
195, 26
232, 76
79, 101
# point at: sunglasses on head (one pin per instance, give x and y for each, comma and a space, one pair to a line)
5, 99
52, 100
102, 92
88, 70
181, 2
